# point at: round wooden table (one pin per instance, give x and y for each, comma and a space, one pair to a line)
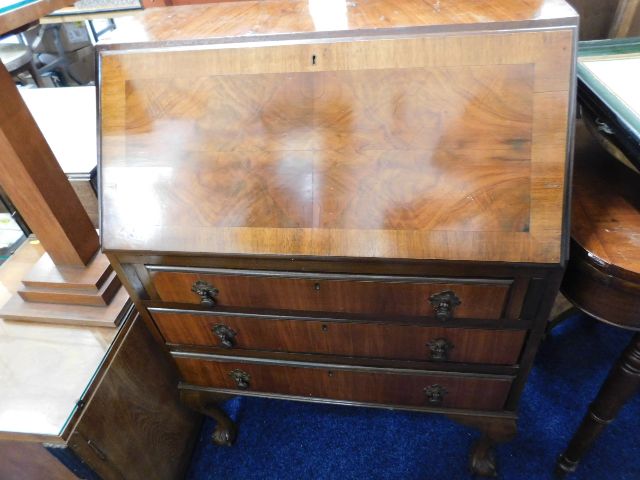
603, 275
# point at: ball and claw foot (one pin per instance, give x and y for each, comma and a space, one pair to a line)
483, 458
224, 435
225, 431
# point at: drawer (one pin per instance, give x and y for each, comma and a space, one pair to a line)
367, 385
395, 341
377, 295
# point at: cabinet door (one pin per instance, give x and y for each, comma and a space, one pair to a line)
134, 426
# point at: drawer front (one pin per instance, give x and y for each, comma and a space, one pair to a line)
332, 293
371, 385
405, 342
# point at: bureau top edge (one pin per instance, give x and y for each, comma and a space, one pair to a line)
300, 20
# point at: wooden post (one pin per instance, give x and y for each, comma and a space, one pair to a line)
37, 186
72, 283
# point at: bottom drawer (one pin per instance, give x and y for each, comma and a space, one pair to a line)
357, 384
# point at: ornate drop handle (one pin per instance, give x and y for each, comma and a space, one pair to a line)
206, 291
443, 304
435, 394
225, 334
439, 349
241, 378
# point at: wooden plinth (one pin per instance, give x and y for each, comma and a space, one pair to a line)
50, 293
46, 274
69, 296
110, 316
94, 285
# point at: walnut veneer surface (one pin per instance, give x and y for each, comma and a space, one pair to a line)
364, 205
417, 146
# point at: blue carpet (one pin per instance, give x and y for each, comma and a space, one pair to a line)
291, 440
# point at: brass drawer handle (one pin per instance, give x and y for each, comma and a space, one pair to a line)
435, 394
206, 291
439, 349
443, 304
241, 378
225, 334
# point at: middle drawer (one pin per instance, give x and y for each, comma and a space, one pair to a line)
347, 338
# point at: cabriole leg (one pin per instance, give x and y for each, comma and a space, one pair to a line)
225, 431
482, 458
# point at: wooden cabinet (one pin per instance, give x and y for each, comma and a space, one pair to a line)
369, 209
129, 406
134, 426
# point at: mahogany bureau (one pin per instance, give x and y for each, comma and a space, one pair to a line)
360, 203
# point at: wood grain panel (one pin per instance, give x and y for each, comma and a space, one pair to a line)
68, 296
381, 171
371, 108
603, 296
13, 19
134, 426
320, 294
423, 147
603, 274
44, 368
250, 20
30, 461
37, 186
373, 385
605, 209
408, 342
334, 54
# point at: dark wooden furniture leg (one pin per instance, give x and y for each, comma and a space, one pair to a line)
621, 384
226, 431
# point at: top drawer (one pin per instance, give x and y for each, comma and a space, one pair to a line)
443, 299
